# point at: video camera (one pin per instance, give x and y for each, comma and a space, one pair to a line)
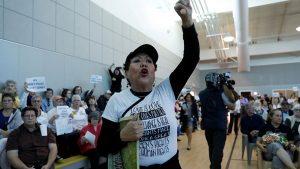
224, 79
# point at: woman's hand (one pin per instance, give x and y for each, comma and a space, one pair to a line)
83, 140
184, 10
133, 130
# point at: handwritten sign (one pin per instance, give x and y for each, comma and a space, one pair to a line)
36, 84
63, 111
95, 78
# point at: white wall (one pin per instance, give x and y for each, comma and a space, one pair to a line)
263, 79
66, 41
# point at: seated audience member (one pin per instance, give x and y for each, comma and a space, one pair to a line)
52, 114
27, 147
77, 117
251, 123
286, 110
36, 102
87, 94
87, 147
77, 90
26, 97
10, 88
103, 99
293, 98
259, 110
293, 122
275, 151
264, 105
10, 119
47, 103
92, 105
67, 95
276, 103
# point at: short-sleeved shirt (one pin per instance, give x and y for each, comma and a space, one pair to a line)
32, 146
159, 141
282, 130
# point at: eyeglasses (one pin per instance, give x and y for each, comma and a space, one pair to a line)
29, 116
7, 100
36, 101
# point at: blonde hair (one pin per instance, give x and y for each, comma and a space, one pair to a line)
76, 97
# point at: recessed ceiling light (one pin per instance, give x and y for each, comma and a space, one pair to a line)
228, 38
298, 28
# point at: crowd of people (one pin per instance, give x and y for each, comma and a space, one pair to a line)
31, 133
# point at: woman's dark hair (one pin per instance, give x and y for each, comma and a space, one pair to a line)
192, 97
88, 99
64, 92
73, 91
8, 95
48, 89
29, 109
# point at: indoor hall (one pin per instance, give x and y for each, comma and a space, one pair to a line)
67, 41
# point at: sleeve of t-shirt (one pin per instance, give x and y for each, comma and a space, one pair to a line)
51, 136
12, 141
191, 56
110, 112
109, 140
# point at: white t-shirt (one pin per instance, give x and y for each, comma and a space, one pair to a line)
159, 141
79, 119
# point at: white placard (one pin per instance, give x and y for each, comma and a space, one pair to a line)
95, 78
63, 126
275, 94
36, 84
43, 129
90, 137
63, 111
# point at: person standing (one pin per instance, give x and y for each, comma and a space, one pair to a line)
234, 118
214, 112
154, 106
116, 79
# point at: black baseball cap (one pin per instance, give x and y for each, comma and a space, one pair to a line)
145, 48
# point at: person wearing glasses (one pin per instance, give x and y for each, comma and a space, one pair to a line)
29, 137
10, 88
10, 119
36, 102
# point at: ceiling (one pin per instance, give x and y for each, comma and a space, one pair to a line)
273, 38
269, 25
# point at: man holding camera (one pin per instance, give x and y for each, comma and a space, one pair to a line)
215, 100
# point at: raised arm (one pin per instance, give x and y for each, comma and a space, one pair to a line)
183, 71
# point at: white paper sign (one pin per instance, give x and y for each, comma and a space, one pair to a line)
275, 94
36, 84
63, 126
63, 111
90, 137
43, 129
95, 78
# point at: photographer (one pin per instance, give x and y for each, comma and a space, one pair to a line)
214, 100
